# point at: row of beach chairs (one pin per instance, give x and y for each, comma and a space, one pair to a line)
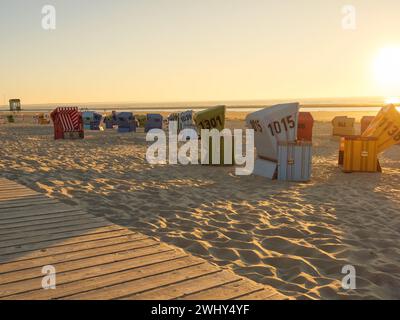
283, 135
69, 122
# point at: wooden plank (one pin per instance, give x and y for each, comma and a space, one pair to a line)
32, 221
99, 277
11, 185
75, 255
14, 232
182, 289
36, 206
39, 212
226, 291
15, 190
29, 236
127, 288
6, 185
265, 294
26, 202
74, 238
19, 243
22, 197
19, 194
96, 243
84, 263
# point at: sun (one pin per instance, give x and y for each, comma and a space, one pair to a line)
387, 69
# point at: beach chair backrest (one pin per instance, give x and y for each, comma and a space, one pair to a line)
272, 125
365, 122
211, 118
385, 127
186, 120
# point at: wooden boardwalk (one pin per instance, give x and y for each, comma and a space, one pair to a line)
96, 259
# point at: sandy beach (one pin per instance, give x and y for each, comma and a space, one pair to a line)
295, 237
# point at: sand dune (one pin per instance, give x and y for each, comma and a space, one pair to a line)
295, 237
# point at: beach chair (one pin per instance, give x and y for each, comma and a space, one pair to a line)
91, 120
86, 119
174, 117
385, 127
141, 119
343, 126
109, 122
126, 122
273, 125
186, 120
360, 153
42, 119
153, 121
305, 126
67, 123
10, 118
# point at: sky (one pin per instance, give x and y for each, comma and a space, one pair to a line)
179, 50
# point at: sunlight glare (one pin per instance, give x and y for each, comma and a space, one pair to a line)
387, 68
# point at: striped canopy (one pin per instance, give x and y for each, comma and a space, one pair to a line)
68, 117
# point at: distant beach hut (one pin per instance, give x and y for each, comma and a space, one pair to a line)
91, 120
126, 122
273, 125
67, 123
154, 121
15, 105
343, 126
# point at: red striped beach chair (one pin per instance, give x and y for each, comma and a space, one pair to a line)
67, 123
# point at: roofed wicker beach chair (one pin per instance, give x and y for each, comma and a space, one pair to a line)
67, 123
126, 122
154, 121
